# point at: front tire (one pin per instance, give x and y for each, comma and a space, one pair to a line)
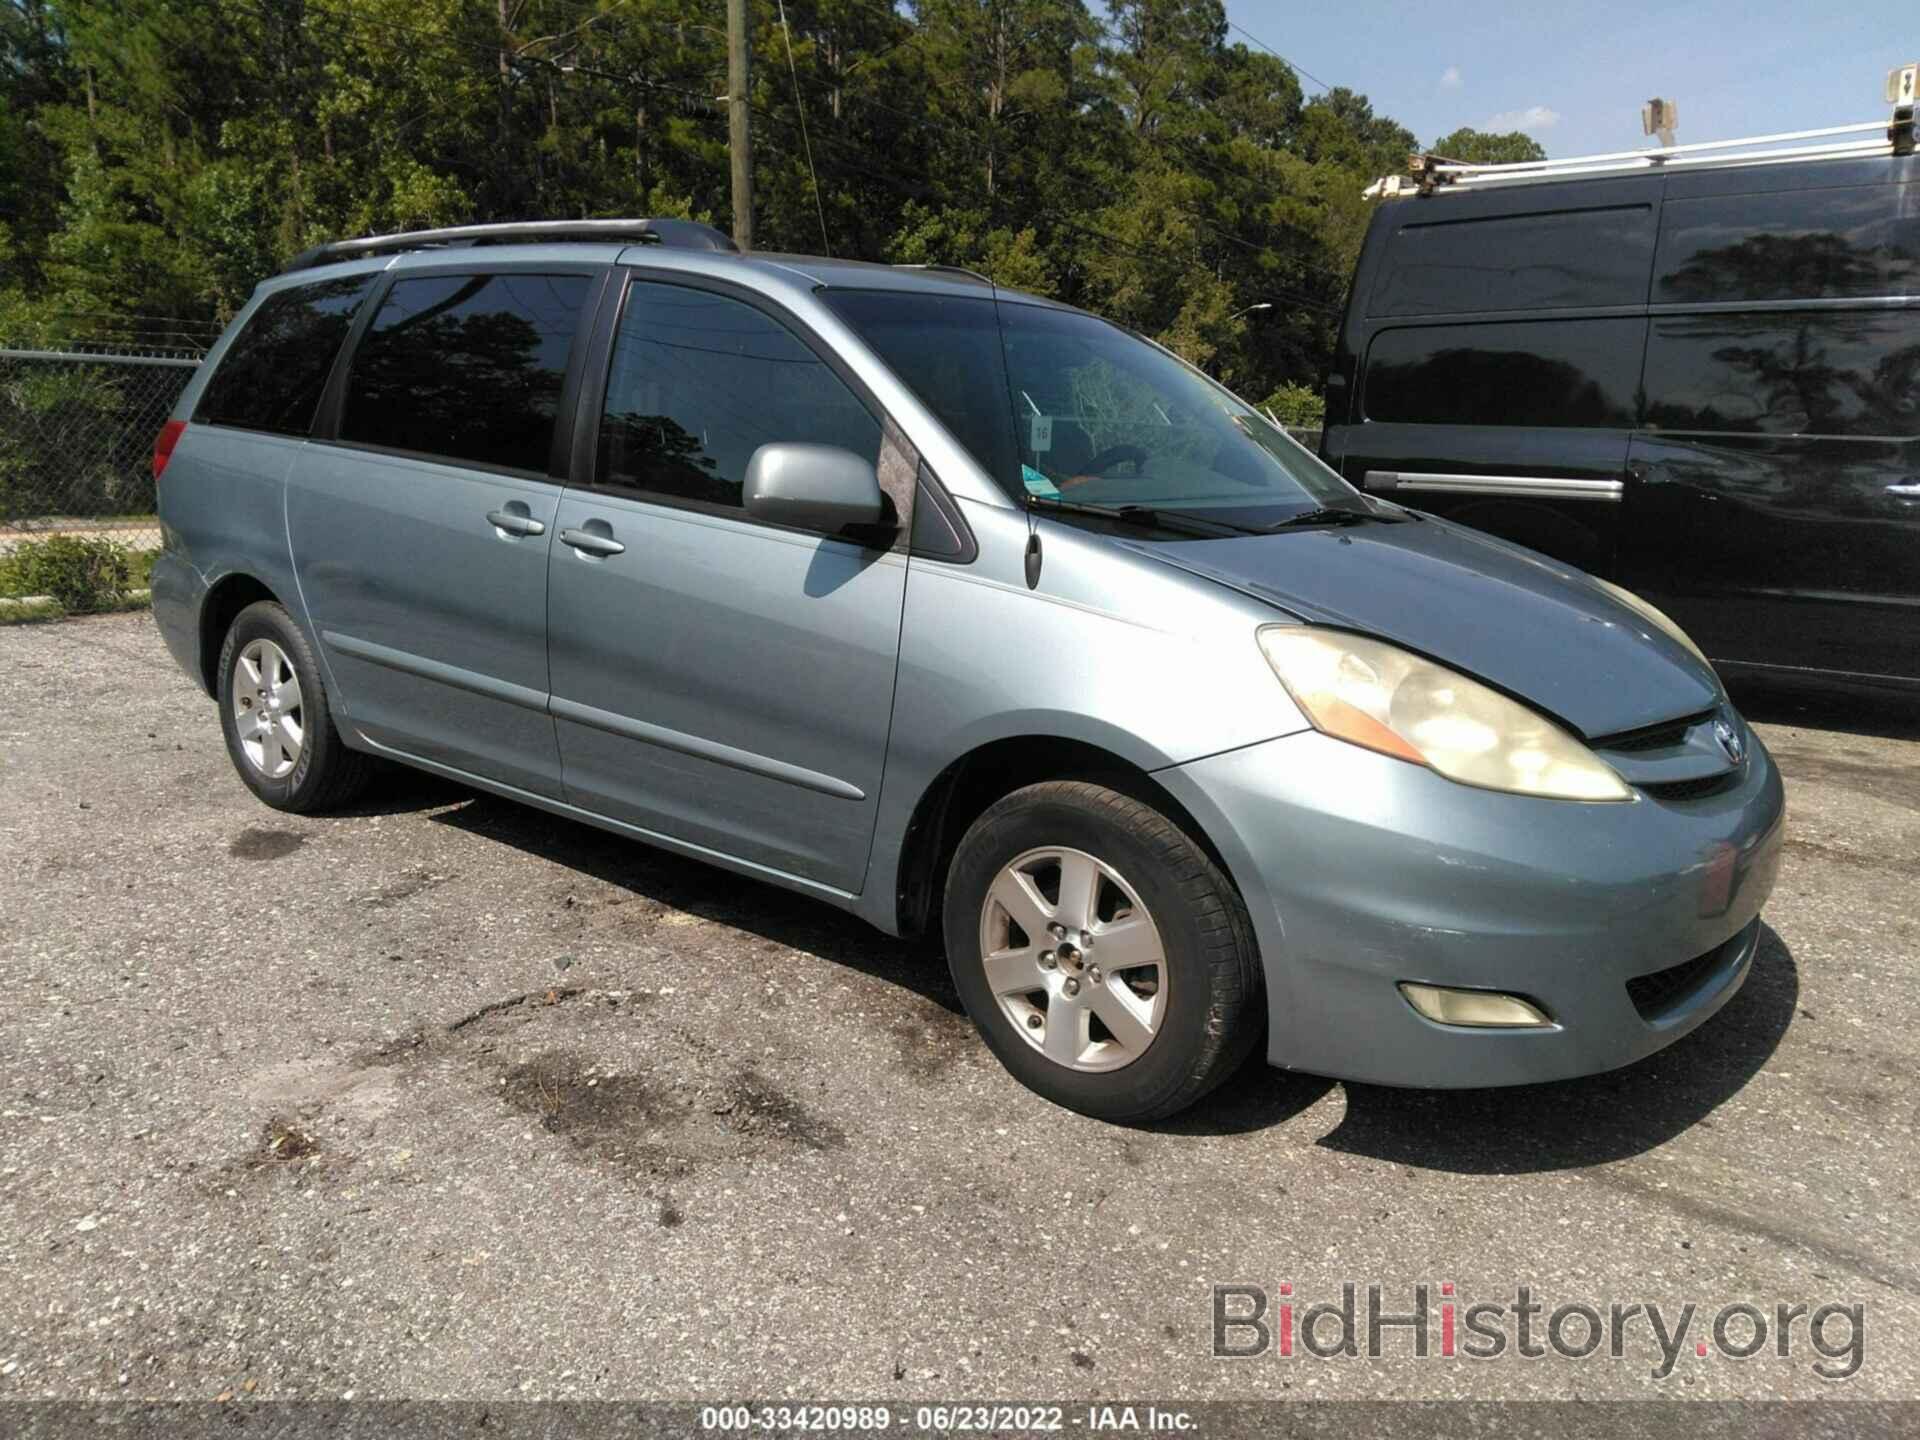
1103, 956
279, 728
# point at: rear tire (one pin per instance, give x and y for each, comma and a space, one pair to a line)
274, 712
1162, 1004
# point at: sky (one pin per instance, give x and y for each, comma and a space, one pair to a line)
1574, 76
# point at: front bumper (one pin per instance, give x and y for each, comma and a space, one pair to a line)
1361, 871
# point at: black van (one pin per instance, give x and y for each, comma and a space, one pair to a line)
1703, 384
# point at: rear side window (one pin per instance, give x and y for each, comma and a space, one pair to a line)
701, 381
1841, 243
466, 368
1518, 262
1560, 373
272, 375
1823, 372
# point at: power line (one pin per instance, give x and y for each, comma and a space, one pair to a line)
800, 104
1297, 69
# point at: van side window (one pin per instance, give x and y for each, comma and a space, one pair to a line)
1825, 372
1843, 243
700, 381
1565, 372
466, 368
272, 375
1518, 262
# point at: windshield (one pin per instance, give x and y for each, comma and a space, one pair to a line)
1061, 405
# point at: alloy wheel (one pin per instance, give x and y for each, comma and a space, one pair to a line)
1073, 959
267, 713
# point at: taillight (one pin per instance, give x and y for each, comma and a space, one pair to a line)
164, 442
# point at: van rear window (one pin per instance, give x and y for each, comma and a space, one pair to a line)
1518, 262
272, 375
1548, 372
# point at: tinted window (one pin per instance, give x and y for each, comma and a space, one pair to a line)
947, 351
1797, 245
700, 381
277, 366
466, 367
1787, 372
1057, 403
1518, 262
1566, 372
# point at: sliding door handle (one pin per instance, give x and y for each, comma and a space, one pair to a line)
513, 522
591, 542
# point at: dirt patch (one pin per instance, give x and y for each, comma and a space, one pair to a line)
405, 888
287, 1147
933, 1040
1815, 850
282, 1140
752, 1105
1869, 776
258, 843
422, 1040
616, 1118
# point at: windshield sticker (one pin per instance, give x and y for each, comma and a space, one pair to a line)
1038, 484
1041, 427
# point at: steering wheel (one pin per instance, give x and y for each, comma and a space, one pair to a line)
1111, 456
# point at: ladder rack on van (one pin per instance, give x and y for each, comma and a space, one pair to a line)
1428, 174
683, 234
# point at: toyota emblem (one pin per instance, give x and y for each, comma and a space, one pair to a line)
1730, 740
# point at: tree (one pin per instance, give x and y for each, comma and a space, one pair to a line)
1477, 147
161, 157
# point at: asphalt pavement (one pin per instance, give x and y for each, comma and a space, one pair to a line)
450, 1098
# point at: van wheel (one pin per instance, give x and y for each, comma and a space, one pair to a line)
273, 710
1103, 956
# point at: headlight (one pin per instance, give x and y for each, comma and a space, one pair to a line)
1373, 694
1653, 615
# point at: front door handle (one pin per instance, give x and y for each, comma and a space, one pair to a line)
1913, 490
514, 523
591, 542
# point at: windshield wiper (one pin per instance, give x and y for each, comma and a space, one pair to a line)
1332, 515
1178, 522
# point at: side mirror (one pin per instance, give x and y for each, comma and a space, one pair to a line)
814, 487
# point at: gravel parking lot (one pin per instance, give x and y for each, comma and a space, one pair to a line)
450, 1098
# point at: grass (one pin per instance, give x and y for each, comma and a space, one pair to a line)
22, 597
34, 612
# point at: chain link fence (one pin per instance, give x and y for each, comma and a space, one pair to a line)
77, 425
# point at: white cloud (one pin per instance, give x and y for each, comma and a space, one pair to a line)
1532, 119
1450, 78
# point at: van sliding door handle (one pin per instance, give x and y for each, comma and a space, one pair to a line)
514, 523
587, 542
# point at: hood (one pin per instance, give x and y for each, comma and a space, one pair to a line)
1528, 625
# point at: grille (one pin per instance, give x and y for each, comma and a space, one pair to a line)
1653, 995
1652, 737
1693, 789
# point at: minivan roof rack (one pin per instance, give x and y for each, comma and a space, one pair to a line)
947, 270
1429, 174
682, 234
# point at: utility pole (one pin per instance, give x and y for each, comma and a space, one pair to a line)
739, 140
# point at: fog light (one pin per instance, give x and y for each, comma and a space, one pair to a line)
1473, 1007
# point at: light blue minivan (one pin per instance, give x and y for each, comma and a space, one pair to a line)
970, 613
